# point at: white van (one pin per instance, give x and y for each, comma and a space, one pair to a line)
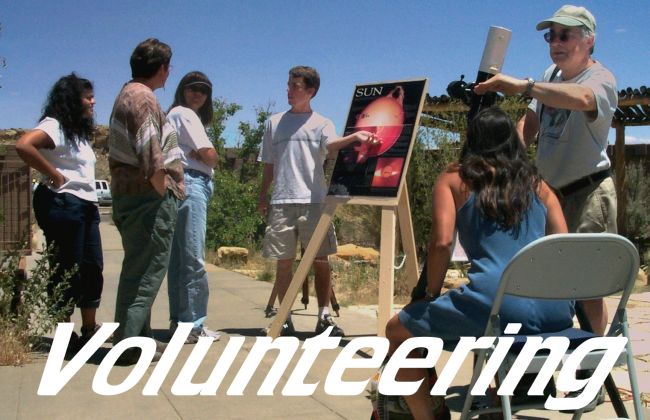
103, 192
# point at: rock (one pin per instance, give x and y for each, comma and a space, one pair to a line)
642, 278
351, 252
101, 138
10, 135
232, 255
338, 261
249, 273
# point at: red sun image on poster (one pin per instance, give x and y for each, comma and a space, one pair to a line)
385, 118
387, 172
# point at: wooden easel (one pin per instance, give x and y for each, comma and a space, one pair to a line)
393, 211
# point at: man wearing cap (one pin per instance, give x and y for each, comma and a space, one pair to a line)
570, 115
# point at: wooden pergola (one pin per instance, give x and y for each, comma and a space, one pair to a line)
633, 110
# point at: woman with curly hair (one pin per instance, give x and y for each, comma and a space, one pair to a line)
65, 201
498, 204
187, 279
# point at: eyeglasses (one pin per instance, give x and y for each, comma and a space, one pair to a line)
563, 36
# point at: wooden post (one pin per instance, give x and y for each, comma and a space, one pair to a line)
386, 271
408, 238
619, 169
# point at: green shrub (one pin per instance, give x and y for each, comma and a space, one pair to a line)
433, 151
27, 312
232, 218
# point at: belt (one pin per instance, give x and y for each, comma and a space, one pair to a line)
195, 172
582, 183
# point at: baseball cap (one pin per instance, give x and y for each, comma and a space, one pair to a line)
569, 15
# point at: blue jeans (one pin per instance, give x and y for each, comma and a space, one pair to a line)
187, 279
72, 225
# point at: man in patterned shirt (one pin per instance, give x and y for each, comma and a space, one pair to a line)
146, 184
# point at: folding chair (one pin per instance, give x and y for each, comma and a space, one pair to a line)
563, 267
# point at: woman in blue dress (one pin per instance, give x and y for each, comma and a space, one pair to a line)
498, 204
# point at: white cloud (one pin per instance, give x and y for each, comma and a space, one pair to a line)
620, 31
636, 140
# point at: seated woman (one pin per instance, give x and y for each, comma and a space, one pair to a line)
498, 203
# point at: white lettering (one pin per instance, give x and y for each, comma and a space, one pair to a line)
287, 347
400, 360
296, 385
56, 376
335, 385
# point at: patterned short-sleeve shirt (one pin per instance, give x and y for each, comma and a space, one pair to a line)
141, 142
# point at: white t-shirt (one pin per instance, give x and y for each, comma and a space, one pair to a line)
191, 136
74, 159
570, 145
296, 145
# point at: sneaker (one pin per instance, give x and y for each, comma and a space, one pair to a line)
598, 400
326, 322
270, 312
287, 329
132, 355
87, 334
195, 334
73, 344
520, 395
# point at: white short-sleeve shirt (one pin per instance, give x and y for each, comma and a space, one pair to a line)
296, 145
191, 136
75, 159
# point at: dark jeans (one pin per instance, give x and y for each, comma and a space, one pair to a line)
71, 225
146, 223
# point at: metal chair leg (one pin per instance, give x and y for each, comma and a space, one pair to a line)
610, 385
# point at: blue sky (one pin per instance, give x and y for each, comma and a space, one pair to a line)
246, 47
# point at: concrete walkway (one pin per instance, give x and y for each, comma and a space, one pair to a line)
237, 309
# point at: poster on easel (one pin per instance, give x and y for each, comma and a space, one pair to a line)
390, 110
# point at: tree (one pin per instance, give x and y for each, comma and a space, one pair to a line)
222, 110
232, 218
252, 139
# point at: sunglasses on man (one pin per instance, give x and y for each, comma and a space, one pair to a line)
564, 35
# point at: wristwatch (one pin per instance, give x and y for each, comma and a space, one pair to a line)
529, 87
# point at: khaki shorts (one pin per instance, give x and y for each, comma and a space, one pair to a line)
289, 222
591, 209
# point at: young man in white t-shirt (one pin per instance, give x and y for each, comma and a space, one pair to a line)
294, 148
